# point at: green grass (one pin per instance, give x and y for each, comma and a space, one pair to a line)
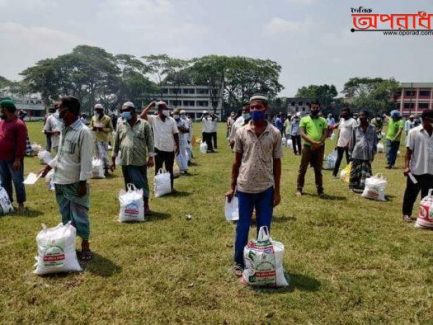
350, 260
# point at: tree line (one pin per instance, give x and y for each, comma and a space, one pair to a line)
94, 75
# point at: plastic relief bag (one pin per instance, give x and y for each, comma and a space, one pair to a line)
380, 147
264, 262
162, 183
375, 188
203, 147
56, 250
425, 212
131, 204
44, 157
97, 168
330, 160
345, 173
283, 141
231, 210
289, 143
5, 202
49, 180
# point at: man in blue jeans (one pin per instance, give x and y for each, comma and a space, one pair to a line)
256, 174
13, 135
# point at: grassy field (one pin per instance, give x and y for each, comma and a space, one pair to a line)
350, 260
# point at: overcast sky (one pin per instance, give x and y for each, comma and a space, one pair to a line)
310, 39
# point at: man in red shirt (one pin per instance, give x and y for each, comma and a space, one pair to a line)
13, 134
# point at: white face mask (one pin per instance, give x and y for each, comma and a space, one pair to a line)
166, 112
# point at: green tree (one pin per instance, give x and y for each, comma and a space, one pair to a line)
325, 94
373, 94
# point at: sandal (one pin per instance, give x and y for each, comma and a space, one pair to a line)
86, 255
237, 270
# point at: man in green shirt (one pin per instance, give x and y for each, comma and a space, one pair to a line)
393, 135
134, 140
313, 132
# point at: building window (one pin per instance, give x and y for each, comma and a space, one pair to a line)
188, 103
398, 93
409, 93
165, 91
203, 103
188, 90
301, 103
409, 105
424, 93
423, 106
293, 103
202, 91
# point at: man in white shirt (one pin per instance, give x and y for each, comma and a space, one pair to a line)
243, 119
207, 129
52, 130
182, 126
166, 136
214, 129
188, 135
72, 168
418, 162
345, 130
409, 124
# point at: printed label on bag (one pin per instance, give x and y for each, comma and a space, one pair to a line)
54, 255
132, 210
261, 264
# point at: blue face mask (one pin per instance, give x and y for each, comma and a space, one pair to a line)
257, 116
126, 116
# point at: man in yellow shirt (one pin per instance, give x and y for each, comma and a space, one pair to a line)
102, 128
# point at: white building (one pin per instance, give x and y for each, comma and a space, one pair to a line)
193, 99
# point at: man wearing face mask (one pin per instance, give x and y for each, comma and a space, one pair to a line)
313, 132
102, 127
134, 140
242, 120
166, 136
182, 126
72, 168
256, 174
13, 135
418, 162
52, 129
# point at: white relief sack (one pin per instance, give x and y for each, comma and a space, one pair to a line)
131, 204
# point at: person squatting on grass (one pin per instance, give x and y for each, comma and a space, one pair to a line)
72, 168
313, 132
362, 148
418, 162
13, 135
165, 136
102, 128
256, 174
134, 141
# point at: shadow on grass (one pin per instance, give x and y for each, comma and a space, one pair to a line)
101, 266
28, 213
179, 194
283, 218
155, 216
296, 282
329, 197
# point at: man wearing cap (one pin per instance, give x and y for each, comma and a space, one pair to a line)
13, 135
72, 168
52, 129
102, 127
393, 135
313, 131
182, 126
256, 174
134, 141
165, 135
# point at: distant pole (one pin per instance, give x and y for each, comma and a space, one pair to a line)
411, 94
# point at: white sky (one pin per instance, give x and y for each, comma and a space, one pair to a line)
310, 39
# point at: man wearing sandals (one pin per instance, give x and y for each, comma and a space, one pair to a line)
134, 141
256, 174
72, 168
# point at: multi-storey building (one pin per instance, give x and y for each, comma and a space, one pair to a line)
193, 99
414, 97
298, 104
